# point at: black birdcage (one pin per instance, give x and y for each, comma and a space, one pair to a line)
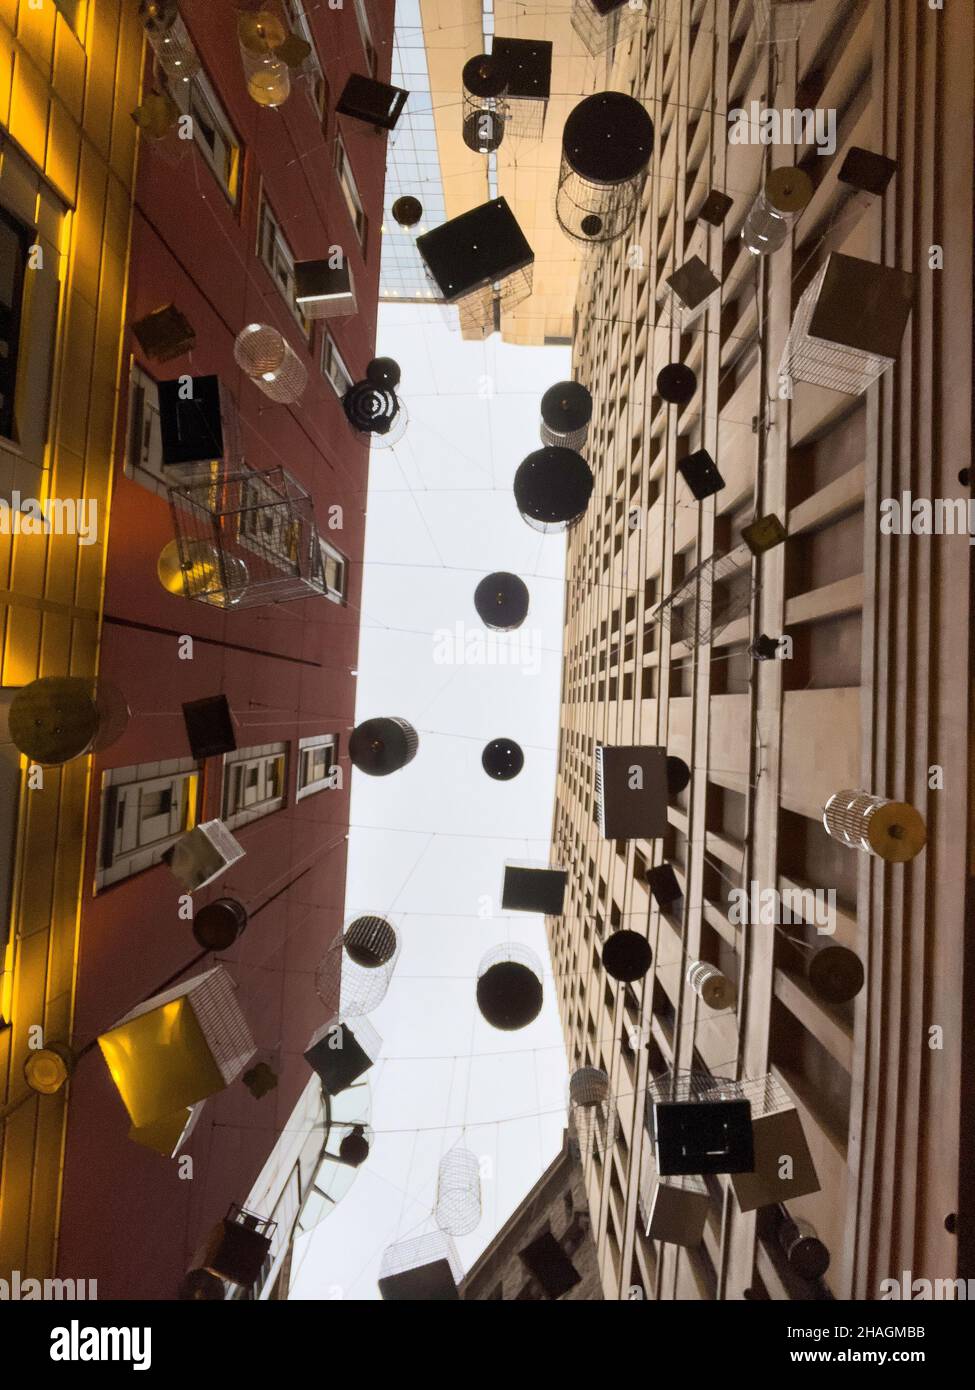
484, 109
502, 759
481, 262
373, 407
714, 594
527, 66
384, 745
501, 600
509, 986
566, 413
246, 539
606, 147
552, 488
601, 24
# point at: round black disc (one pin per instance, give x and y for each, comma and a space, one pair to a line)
627, 956
678, 775
553, 485
676, 383
608, 138
369, 408
591, 225
484, 76
809, 1257
502, 759
354, 1147
836, 974
218, 925
567, 407
407, 211
384, 371
501, 600
381, 746
509, 995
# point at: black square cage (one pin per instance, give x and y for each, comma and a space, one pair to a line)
527, 65
714, 594
479, 249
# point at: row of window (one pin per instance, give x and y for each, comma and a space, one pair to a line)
145, 809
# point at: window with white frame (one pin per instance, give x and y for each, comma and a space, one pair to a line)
318, 760
265, 525
350, 192
333, 367
275, 252
334, 565
143, 455
212, 131
253, 783
365, 33
144, 811
316, 85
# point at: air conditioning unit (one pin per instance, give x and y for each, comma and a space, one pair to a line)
203, 854
631, 792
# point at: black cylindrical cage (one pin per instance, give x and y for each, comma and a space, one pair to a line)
606, 147
484, 107
566, 413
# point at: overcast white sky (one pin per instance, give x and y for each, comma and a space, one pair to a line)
428, 844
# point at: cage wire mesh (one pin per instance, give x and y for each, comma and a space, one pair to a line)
525, 118
271, 363
355, 972
247, 539
780, 21
480, 311
405, 1255
824, 363
714, 594
592, 1113
690, 1184
601, 24
458, 1209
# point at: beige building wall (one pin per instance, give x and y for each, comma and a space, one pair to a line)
875, 694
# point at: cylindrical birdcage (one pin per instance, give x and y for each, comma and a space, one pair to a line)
261, 34
218, 925
807, 1255
355, 972
779, 21
626, 955
458, 1209
606, 147
709, 984
374, 409
601, 24
197, 569
509, 986
169, 39
354, 1145
566, 413
484, 107
836, 974
501, 600
56, 718
787, 191
271, 363
592, 1112
383, 745
552, 488
890, 830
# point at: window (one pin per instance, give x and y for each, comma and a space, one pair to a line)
334, 564
350, 192
317, 87
274, 251
253, 783
143, 456
333, 367
365, 33
145, 809
212, 130
15, 242
266, 527
318, 759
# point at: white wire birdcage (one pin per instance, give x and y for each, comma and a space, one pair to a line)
714, 594
592, 1113
271, 363
480, 311
710, 985
261, 33
169, 39
458, 1209
780, 21
355, 973
890, 830
824, 363
421, 1268
258, 534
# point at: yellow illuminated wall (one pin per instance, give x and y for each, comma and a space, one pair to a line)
69, 78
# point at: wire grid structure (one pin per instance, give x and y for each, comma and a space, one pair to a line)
525, 118
418, 1251
458, 1209
780, 21
601, 24
688, 1193
271, 363
824, 363
691, 1086
257, 533
707, 599
710, 985
355, 972
592, 1113
480, 311
890, 830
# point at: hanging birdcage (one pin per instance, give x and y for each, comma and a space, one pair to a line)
480, 262
782, 1168
56, 718
383, 745
484, 110
714, 594
501, 600
786, 193
372, 406
552, 488
601, 24
606, 147
708, 983
566, 413
458, 1209
592, 1113
509, 986
673, 1209
699, 1124
502, 759
890, 830
262, 35
848, 325
527, 65
424, 1269
780, 21
271, 363
355, 972
169, 39
247, 539
341, 1051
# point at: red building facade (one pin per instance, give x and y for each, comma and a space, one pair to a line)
220, 219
